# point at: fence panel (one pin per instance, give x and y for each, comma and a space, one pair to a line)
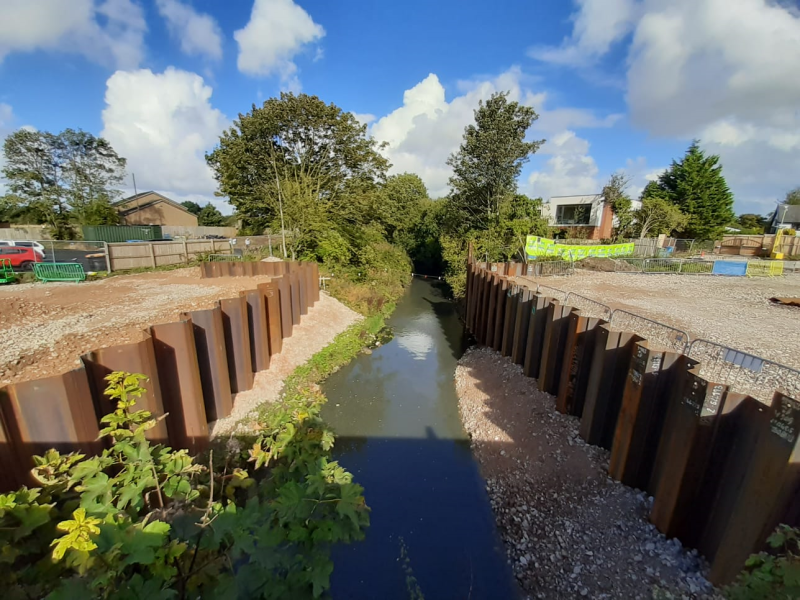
743, 372
629, 265
589, 307
551, 268
756, 268
667, 336
662, 265
697, 267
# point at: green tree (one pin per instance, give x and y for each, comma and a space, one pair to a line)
401, 203
614, 194
490, 159
319, 148
658, 214
209, 216
752, 222
192, 207
696, 186
792, 197
61, 179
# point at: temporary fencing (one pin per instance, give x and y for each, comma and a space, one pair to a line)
690, 266
712, 433
193, 365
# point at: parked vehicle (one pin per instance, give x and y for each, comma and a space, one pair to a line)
22, 259
25, 244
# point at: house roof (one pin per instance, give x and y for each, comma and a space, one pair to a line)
787, 214
127, 210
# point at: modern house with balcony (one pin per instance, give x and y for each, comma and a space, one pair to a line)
588, 216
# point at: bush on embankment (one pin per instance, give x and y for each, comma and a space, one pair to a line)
144, 521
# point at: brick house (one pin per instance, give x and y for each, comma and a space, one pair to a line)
151, 208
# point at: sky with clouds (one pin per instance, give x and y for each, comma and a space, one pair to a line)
618, 84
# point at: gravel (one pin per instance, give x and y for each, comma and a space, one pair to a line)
570, 531
46, 327
732, 311
324, 321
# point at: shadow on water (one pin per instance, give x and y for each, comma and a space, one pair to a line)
398, 428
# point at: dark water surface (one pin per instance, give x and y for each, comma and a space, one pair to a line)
395, 413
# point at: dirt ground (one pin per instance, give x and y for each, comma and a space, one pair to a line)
570, 530
46, 327
324, 321
733, 311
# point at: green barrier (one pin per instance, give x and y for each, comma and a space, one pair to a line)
536, 246
59, 272
7, 274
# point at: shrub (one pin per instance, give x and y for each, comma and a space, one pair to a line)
774, 574
143, 520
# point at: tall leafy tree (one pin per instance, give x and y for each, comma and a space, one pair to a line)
486, 166
753, 222
615, 193
658, 214
209, 216
400, 206
695, 185
792, 197
192, 207
64, 178
297, 143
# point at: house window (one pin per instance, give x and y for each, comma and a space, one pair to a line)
573, 214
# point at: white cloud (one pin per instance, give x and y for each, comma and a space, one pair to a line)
198, 33
364, 118
640, 173
570, 170
275, 34
6, 126
427, 128
598, 25
163, 123
723, 71
108, 32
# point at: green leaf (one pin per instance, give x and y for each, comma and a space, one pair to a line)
351, 502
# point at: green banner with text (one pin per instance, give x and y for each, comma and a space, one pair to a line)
536, 247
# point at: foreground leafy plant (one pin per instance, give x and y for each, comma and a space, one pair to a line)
145, 521
773, 574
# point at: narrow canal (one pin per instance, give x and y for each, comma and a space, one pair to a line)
395, 413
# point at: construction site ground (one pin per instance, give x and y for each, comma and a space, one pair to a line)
733, 311
46, 327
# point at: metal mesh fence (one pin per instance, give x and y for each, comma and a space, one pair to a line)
91, 255
743, 372
223, 257
552, 292
660, 334
549, 268
589, 307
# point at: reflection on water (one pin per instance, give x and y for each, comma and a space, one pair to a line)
395, 413
415, 337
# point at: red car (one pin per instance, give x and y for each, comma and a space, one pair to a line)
21, 258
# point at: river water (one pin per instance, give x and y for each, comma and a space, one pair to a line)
395, 413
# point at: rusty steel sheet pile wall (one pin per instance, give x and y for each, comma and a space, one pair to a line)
193, 366
720, 457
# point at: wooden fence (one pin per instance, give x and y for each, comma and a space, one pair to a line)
135, 255
194, 366
758, 245
722, 466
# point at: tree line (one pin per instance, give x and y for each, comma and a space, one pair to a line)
301, 165
67, 179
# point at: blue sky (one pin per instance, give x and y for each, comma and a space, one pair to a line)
619, 84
